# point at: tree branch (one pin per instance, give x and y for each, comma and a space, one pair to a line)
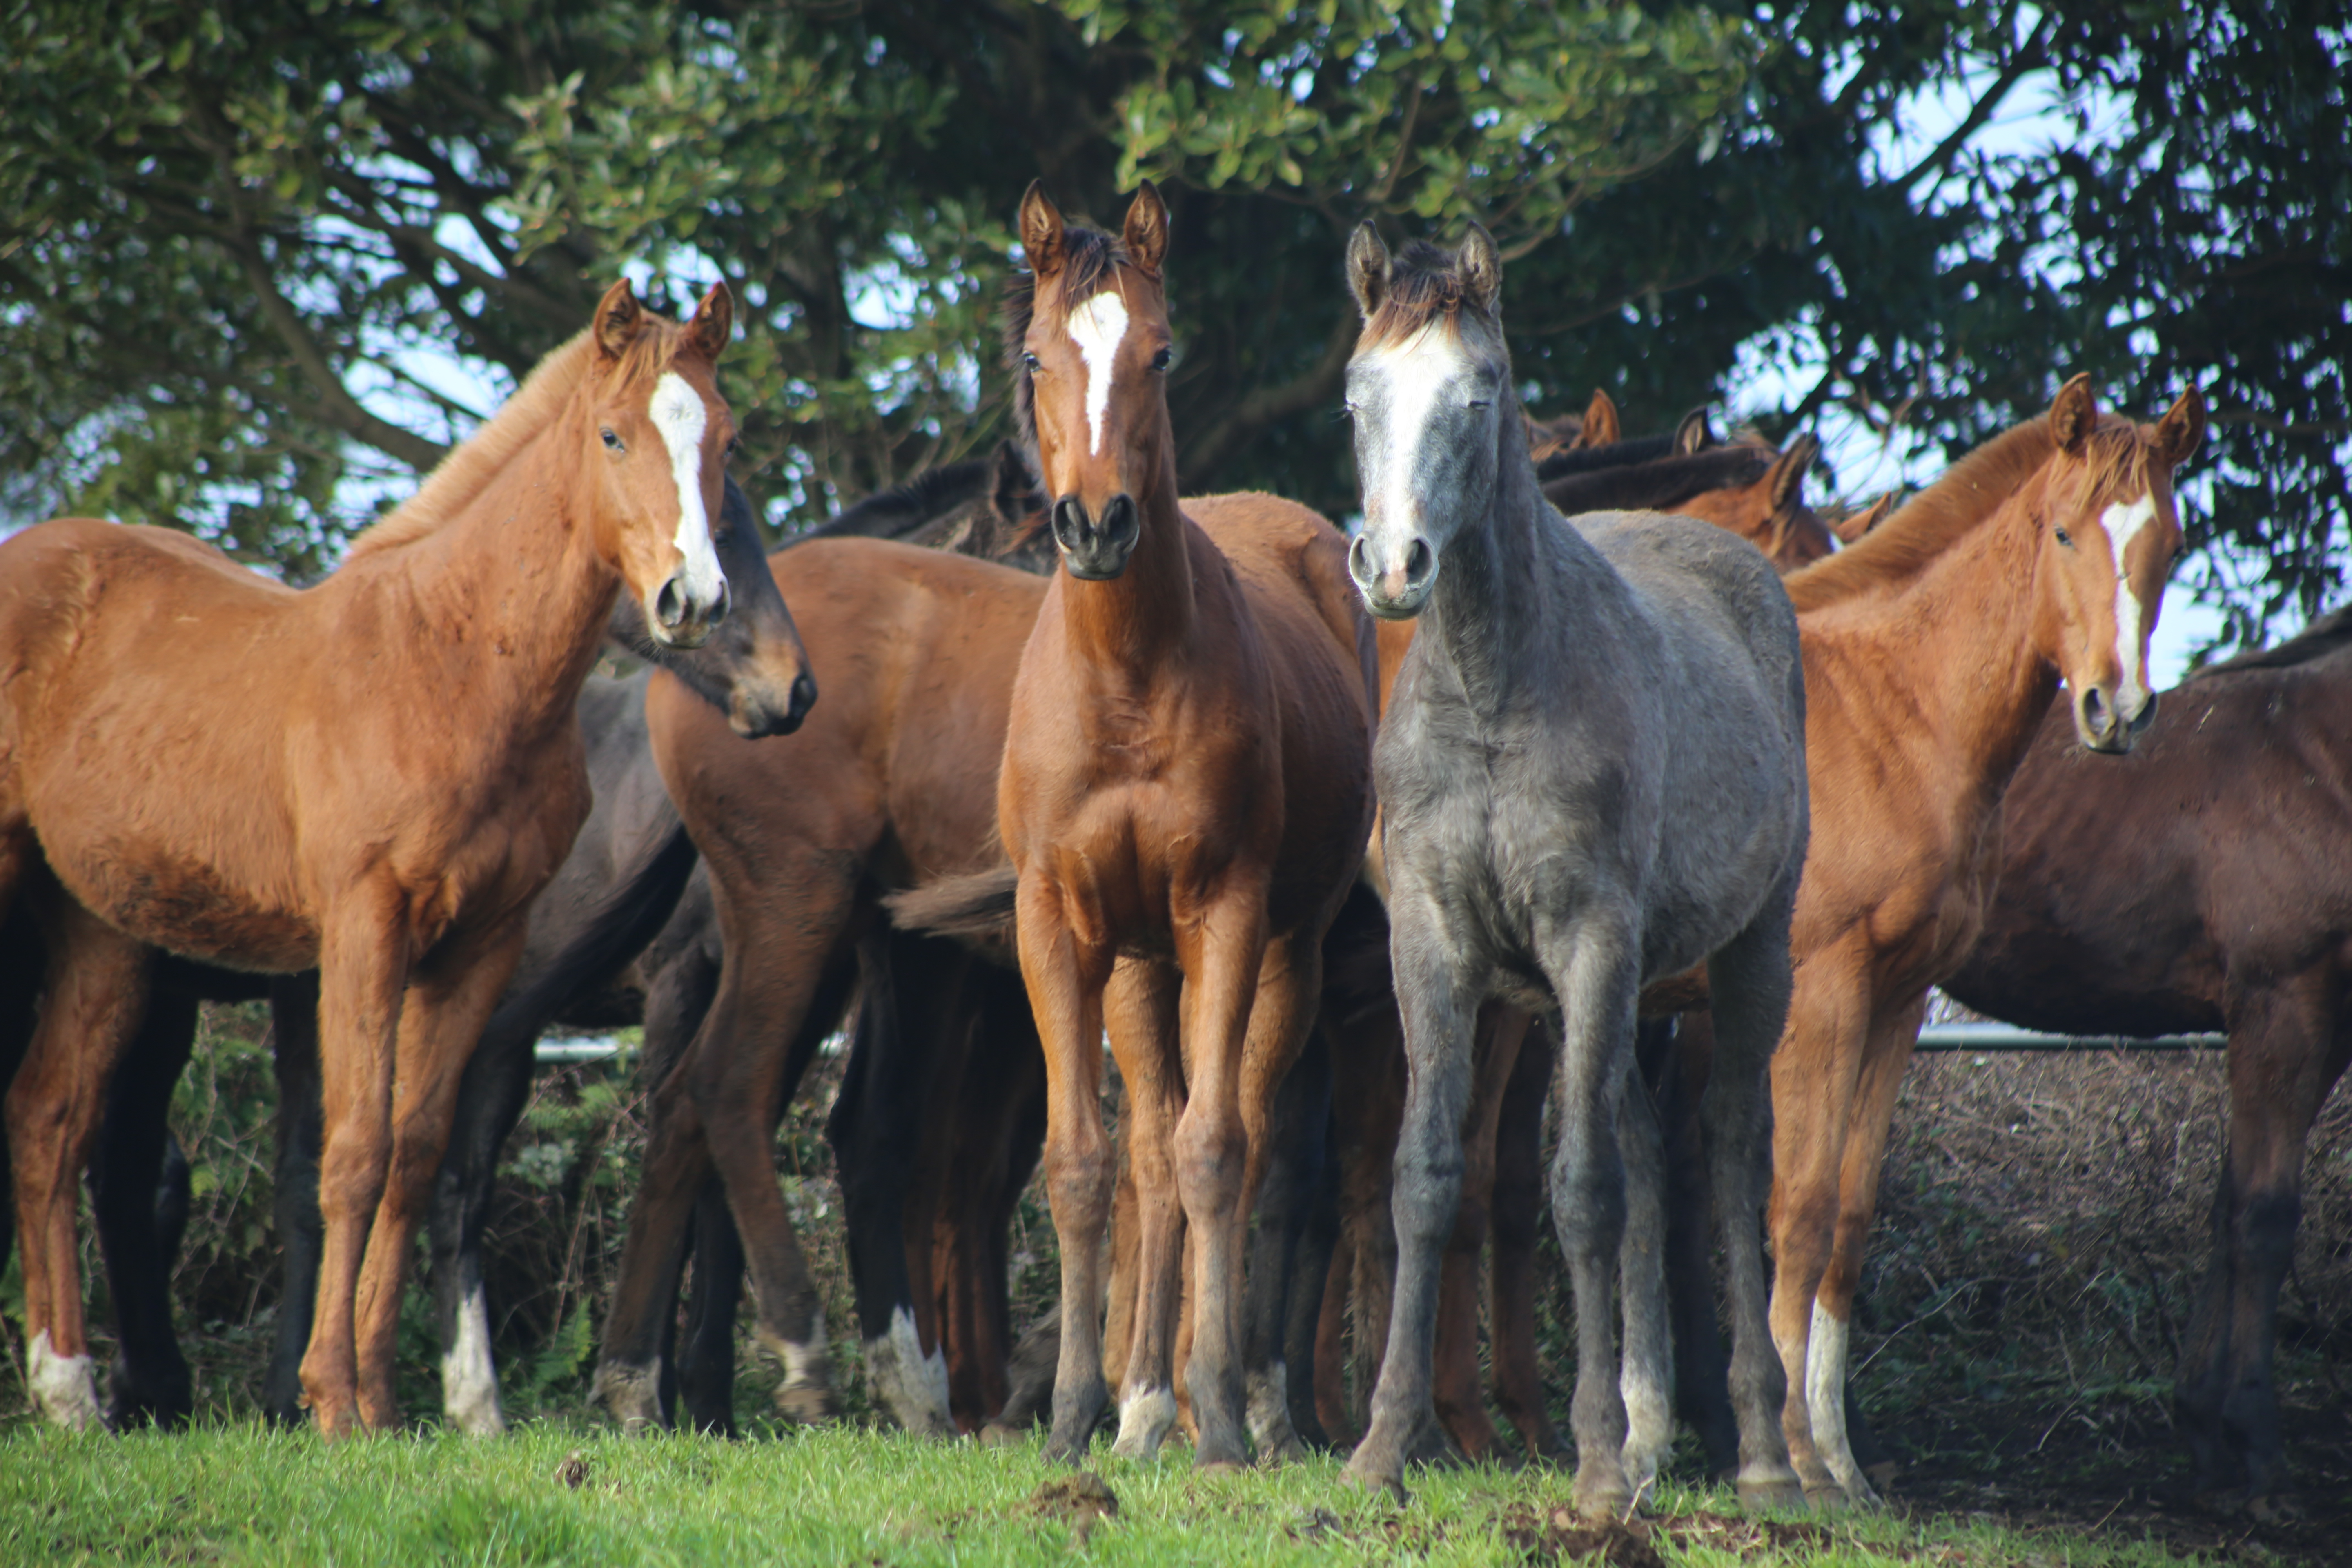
336, 406
1268, 404
2033, 56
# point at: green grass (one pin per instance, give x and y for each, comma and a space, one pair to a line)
242, 1493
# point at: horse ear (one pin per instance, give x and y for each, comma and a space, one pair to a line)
1692, 435
1368, 267
1146, 230
1789, 470
1854, 524
1482, 270
619, 319
2074, 414
1600, 427
712, 327
2181, 430
1040, 230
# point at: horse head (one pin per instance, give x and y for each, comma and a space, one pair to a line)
656, 439
1092, 351
1771, 513
2109, 534
1426, 388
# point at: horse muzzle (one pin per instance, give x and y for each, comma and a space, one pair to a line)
1096, 551
1393, 589
681, 618
757, 717
2101, 728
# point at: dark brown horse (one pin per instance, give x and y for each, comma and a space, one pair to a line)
1185, 796
394, 844
2202, 883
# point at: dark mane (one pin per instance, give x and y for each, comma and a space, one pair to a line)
1423, 285
902, 508
1089, 255
1661, 485
2323, 637
1574, 460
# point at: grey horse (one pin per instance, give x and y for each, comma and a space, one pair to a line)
1591, 775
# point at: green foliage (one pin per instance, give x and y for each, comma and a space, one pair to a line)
234, 238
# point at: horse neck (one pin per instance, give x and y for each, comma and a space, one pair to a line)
1145, 614
1504, 579
1963, 634
512, 592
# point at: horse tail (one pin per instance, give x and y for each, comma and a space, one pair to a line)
977, 907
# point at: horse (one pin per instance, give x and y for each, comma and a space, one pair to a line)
395, 844
1564, 817
1933, 648
2194, 886
1184, 798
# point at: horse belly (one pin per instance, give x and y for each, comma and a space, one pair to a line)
188, 907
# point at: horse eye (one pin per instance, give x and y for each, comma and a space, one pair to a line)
2064, 538
1163, 359
612, 441
734, 445
1029, 364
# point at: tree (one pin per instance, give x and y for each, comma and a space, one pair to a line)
231, 238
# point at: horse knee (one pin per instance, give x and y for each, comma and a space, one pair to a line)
1209, 1158
2267, 1227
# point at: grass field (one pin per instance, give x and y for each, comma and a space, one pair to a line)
558, 1493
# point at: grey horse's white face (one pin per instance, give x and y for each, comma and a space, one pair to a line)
1425, 409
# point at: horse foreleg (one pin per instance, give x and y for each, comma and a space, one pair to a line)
1457, 1388
706, 1364
1066, 986
362, 972
302, 1230
1439, 1008
96, 998
490, 1098
1139, 1011
1815, 1075
2288, 1045
1892, 1037
441, 1020
1646, 1380
150, 1381
1591, 965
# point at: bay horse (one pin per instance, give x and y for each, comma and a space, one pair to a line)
1566, 815
1184, 798
1933, 648
394, 843
2200, 884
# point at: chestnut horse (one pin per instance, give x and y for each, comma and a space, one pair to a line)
1185, 797
394, 844
2202, 883
1933, 648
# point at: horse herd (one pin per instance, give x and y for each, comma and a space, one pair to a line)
1663, 820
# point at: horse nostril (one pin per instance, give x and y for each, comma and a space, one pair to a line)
1118, 519
1418, 561
2146, 716
670, 605
724, 603
2095, 712
803, 697
1070, 520
1359, 560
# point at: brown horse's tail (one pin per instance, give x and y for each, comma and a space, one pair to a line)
975, 909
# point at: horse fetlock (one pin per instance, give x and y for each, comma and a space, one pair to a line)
1145, 1415
469, 1377
1268, 1413
65, 1387
909, 1384
805, 1397
630, 1393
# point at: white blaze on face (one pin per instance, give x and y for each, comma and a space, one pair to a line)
678, 417
1099, 327
1415, 376
2122, 525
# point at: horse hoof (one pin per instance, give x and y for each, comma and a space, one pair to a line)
1062, 1451
1377, 1479
1219, 1468
1774, 1493
630, 1394
995, 1436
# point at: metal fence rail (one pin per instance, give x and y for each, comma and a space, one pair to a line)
1970, 1036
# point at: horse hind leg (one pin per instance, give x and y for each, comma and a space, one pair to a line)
95, 1000
1139, 1007
2287, 1049
1295, 1156
490, 1099
132, 1198
1730, 1051
1517, 1220
1646, 1379
294, 1058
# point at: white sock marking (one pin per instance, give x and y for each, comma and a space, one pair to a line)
64, 1387
1099, 327
1144, 1418
469, 1376
679, 417
912, 1386
1825, 1402
2122, 525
